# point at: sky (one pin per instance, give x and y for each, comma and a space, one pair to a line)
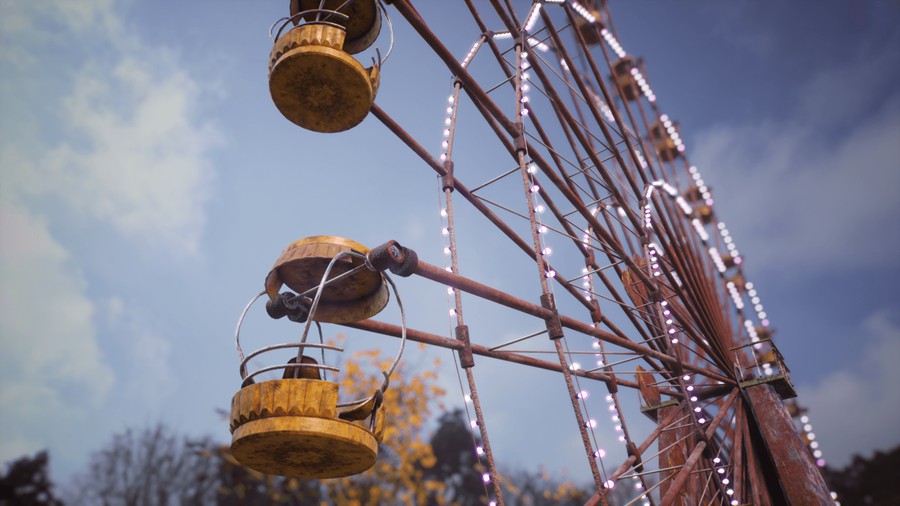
147, 184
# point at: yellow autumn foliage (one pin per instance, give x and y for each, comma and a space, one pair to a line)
398, 475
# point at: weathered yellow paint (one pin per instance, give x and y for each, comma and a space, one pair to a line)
302, 264
315, 84
304, 447
363, 25
288, 427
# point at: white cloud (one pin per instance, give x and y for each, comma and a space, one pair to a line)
143, 166
24, 18
146, 355
860, 399
51, 367
134, 153
817, 190
102, 127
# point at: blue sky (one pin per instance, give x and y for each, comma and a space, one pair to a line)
147, 184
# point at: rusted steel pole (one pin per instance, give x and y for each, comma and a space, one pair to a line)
681, 479
452, 344
759, 495
459, 186
435, 273
674, 491
663, 423
552, 206
738, 451
609, 100
590, 262
800, 479
660, 163
590, 103
440, 275
547, 300
461, 329
478, 95
705, 296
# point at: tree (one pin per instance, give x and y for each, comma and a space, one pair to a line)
868, 481
155, 467
456, 463
242, 486
540, 489
27, 483
399, 474
152, 467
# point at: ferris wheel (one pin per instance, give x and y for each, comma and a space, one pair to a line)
637, 285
